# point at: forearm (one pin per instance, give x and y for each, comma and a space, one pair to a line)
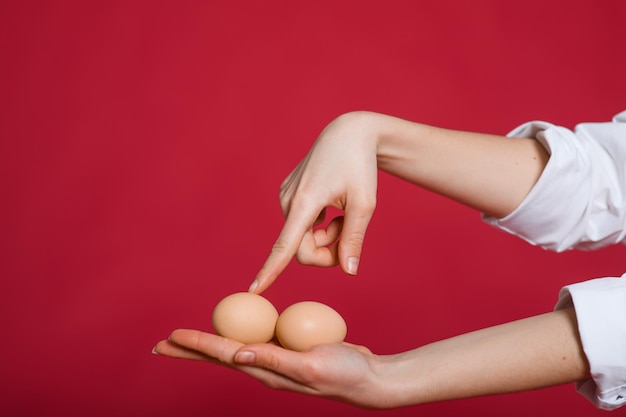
527, 354
487, 172
491, 174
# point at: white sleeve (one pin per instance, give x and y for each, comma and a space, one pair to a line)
579, 200
600, 306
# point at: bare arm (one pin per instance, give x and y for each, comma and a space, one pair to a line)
490, 173
527, 354
487, 172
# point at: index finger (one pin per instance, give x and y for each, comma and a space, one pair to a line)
299, 221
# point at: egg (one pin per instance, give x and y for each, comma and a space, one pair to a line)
309, 323
245, 317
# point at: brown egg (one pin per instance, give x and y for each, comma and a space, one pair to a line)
245, 317
309, 323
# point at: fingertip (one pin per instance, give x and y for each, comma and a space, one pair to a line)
352, 265
174, 333
253, 286
355, 225
181, 336
258, 286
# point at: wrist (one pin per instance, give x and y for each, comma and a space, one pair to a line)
401, 380
363, 124
393, 381
400, 144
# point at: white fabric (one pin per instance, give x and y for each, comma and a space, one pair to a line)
579, 202
600, 306
580, 199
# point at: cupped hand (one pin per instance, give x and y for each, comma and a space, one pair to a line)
339, 171
343, 372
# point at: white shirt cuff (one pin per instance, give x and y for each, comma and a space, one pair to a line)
579, 200
600, 306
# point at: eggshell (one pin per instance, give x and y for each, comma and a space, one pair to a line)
309, 323
245, 317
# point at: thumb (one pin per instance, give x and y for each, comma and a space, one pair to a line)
356, 220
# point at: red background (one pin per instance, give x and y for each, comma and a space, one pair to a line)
143, 144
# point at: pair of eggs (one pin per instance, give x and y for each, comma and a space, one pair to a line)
252, 318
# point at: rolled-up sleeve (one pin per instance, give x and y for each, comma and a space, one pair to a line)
600, 306
579, 201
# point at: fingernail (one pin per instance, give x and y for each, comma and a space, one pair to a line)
352, 264
255, 284
245, 357
154, 351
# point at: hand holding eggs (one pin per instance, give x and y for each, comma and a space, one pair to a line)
251, 318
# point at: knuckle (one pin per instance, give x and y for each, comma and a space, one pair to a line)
367, 205
196, 343
323, 257
313, 372
221, 350
302, 200
304, 257
272, 362
280, 246
355, 239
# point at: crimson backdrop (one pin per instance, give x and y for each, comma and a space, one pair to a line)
143, 144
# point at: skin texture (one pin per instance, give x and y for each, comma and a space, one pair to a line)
490, 173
